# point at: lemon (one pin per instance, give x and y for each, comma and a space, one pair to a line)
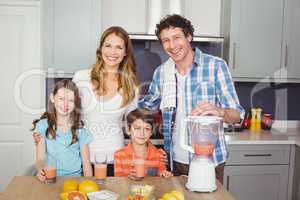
87, 186
70, 185
63, 196
169, 196
177, 194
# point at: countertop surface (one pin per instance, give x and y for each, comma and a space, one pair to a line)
273, 136
28, 187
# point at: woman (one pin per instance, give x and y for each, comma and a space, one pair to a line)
108, 91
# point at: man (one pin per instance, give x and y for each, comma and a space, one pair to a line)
189, 83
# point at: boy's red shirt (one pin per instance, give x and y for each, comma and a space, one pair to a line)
123, 159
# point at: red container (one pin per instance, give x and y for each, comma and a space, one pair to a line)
266, 122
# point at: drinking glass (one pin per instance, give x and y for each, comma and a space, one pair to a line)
100, 167
50, 169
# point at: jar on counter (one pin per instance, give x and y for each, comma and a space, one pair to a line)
266, 121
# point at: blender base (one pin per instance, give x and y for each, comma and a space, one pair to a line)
202, 176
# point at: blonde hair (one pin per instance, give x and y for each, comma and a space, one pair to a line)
127, 79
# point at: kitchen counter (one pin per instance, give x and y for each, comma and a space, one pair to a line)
29, 188
274, 136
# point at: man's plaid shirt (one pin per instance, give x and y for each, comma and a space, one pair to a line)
208, 80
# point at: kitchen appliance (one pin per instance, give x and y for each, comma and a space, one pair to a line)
203, 132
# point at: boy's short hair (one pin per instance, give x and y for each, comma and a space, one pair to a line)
176, 21
142, 114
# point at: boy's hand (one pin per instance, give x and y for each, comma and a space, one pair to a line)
132, 172
37, 138
41, 175
165, 174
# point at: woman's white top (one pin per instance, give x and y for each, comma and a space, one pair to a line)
103, 118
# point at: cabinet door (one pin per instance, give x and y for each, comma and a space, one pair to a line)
21, 86
131, 15
296, 182
205, 16
291, 60
255, 38
261, 182
71, 34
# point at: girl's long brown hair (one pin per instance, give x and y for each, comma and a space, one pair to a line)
127, 79
50, 114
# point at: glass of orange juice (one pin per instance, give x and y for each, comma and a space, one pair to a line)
139, 165
100, 167
50, 170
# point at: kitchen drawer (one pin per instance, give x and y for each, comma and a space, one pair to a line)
258, 154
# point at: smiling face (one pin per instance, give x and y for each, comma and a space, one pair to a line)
63, 101
175, 43
140, 132
113, 51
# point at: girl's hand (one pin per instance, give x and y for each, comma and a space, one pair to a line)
37, 138
41, 175
165, 174
132, 172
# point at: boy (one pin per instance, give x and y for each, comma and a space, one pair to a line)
140, 123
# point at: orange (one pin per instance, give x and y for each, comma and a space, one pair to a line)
75, 195
87, 186
70, 185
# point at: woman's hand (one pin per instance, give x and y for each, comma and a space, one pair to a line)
37, 138
41, 175
165, 174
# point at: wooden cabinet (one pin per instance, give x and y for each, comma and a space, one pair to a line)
291, 43
258, 172
264, 40
205, 16
296, 183
256, 38
71, 31
131, 15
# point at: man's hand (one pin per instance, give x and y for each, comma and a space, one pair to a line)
205, 108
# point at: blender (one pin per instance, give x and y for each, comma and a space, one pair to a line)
203, 132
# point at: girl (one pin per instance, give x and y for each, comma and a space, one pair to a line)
108, 91
62, 137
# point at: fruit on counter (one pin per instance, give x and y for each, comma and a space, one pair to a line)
137, 197
141, 191
173, 195
63, 196
73, 195
178, 194
76, 195
87, 186
70, 185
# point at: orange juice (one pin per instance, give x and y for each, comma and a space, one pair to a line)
203, 149
140, 168
100, 171
50, 173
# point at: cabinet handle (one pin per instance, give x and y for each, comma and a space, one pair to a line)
227, 183
233, 56
258, 155
286, 56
